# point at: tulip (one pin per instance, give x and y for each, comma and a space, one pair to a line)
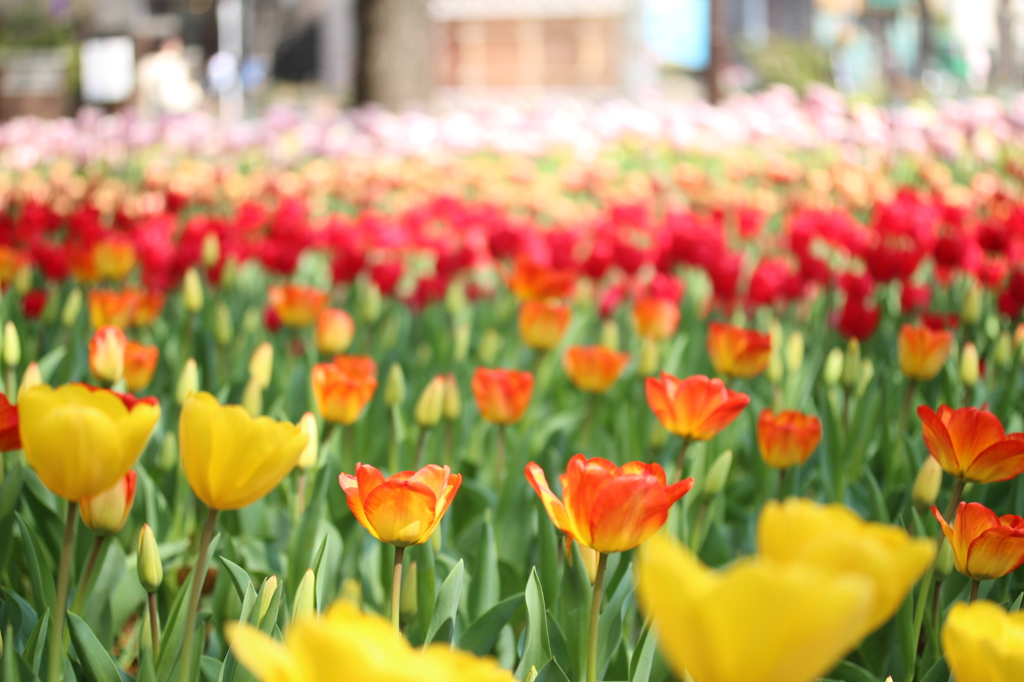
532, 281
851, 364
304, 605
971, 444
973, 304
502, 395
310, 453
341, 393
648, 364
209, 250
1002, 354
695, 408
107, 307
31, 378
72, 307
834, 540
105, 514
10, 439
927, 484
717, 475
594, 369
139, 365
252, 397
788, 438
107, 354
430, 406
334, 331
369, 300
223, 325
794, 352
188, 381
656, 317
266, 595
610, 335
738, 352
192, 291
832, 370
347, 644
394, 387
151, 569
113, 258
543, 323
147, 309
261, 364
11, 345
981, 643
452, 398
985, 546
923, 351
758, 620
970, 365
295, 305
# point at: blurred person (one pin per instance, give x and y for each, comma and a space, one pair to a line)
165, 83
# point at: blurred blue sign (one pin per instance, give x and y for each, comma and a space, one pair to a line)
678, 31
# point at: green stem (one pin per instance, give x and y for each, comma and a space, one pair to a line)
300, 494
12, 385
954, 502
154, 625
420, 443
681, 461
195, 594
780, 492
449, 443
975, 586
499, 461
81, 600
392, 442
396, 587
60, 605
595, 617
348, 448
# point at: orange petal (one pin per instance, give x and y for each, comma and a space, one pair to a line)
995, 553
400, 513
937, 439
553, 505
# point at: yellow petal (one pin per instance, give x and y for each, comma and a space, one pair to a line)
984, 643
261, 655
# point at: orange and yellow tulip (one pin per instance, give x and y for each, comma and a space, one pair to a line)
543, 323
532, 281
738, 352
656, 317
105, 514
342, 390
296, 305
116, 308
788, 438
695, 408
148, 307
139, 365
334, 331
113, 258
402, 509
923, 351
107, 353
605, 507
502, 394
971, 444
12, 260
594, 369
985, 546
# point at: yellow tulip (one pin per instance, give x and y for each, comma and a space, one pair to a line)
983, 643
82, 440
356, 647
759, 620
832, 538
231, 459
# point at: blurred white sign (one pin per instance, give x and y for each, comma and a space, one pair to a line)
107, 69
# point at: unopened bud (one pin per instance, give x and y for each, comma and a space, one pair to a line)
1002, 354
188, 382
252, 397
463, 335
531, 676
210, 249
970, 311
970, 364
12, 345
310, 453
72, 307
867, 373
452, 398
832, 372
394, 389
430, 406
455, 301
267, 596
851, 364
151, 569
169, 451
718, 474
106, 353
927, 484
408, 601
223, 326
610, 335
261, 364
490, 346
775, 333
31, 378
304, 605
192, 291
775, 371
334, 331
794, 352
370, 303
648, 365
944, 561
22, 281
105, 514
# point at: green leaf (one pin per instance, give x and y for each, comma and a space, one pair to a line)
442, 623
174, 627
551, 672
239, 577
851, 672
9, 662
35, 647
609, 628
305, 540
209, 669
537, 650
40, 577
550, 565
426, 584
485, 585
49, 362
642, 663
96, 662
1016, 603
481, 636
907, 634
319, 561
939, 672
11, 489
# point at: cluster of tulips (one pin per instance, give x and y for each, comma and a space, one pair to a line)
774, 391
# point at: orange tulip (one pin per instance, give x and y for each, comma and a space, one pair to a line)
532, 281
985, 546
113, 257
11, 262
82, 263
139, 365
403, 509
112, 307
148, 308
923, 351
106, 353
356, 364
738, 352
543, 323
696, 408
788, 438
594, 369
296, 305
502, 394
656, 317
334, 331
971, 444
607, 508
105, 514
340, 393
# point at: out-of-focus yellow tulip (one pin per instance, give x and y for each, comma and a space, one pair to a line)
982, 643
82, 440
231, 459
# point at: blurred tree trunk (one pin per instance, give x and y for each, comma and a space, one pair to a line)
927, 40
719, 48
395, 57
1005, 75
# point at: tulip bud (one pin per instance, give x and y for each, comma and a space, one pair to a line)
452, 398
463, 335
304, 605
105, 514
1002, 354
352, 592
794, 352
223, 326
31, 378
532, 674
851, 364
832, 371
22, 281
72, 306
169, 451
970, 311
310, 453
12, 345
261, 363
659, 435
430, 406
927, 484
970, 365
867, 373
252, 397
408, 599
455, 298
192, 291
210, 249
267, 596
775, 370
610, 335
228, 273
106, 353
775, 333
334, 331
394, 389
151, 569
589, 556
648, 365
252, 320
944, 561
188, 382
370, 303
718, 474
490, 346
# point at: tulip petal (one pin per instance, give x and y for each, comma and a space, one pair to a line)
92, 465
553, 505
262, 655
995, 553
627, 512
400, 513
937, 438
999, 462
